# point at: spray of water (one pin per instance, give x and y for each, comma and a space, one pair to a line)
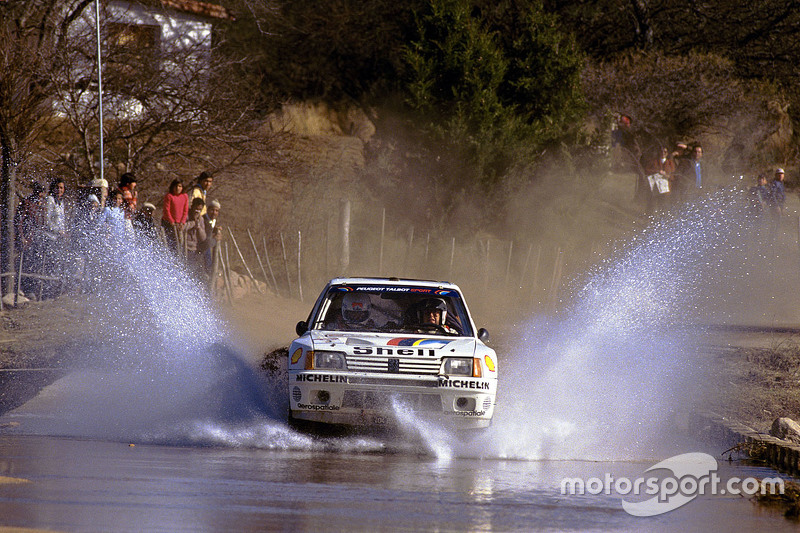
602, 380
606, 379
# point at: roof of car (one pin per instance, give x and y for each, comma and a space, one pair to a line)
394, 281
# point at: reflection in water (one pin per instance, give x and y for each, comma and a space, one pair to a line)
85, 485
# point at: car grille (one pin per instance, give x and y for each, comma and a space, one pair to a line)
379, 400
394, 365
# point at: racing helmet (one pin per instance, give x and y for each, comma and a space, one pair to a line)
355, 307
433, 304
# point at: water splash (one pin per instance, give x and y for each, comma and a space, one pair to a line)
603, 380
607, 378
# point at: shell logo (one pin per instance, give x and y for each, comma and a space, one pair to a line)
489, 363
296, 355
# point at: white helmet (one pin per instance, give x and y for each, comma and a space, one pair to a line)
355, 307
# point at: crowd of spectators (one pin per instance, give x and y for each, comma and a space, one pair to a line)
671, 176
62, 235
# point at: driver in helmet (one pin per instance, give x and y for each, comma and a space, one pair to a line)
433, 312
355, 310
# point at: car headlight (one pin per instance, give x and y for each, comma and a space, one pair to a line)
457, 366
329, 360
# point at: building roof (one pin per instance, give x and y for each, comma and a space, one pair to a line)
196, 7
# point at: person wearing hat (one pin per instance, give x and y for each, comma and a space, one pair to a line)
213, 234
144, 227
99, 188
195, 237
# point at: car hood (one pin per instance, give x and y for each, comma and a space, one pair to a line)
347, 342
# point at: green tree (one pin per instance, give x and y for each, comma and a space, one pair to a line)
495, 81
334, 50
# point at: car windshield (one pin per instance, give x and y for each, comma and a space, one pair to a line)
393, 309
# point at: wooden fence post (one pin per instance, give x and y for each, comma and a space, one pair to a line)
269, 265
452, 257
226, 262
383, 230
556, 281
299, 275
247, 268
286, 266
508, 263
525, 267
409, 246
258, 256
344, 259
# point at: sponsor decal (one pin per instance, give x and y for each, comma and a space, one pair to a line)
312, 407
411, 290
463, 384
378, 350
321, 378
406, 341
298, 353
469, 413
489, 363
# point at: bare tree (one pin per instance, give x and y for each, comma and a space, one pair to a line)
165, 99
30, 34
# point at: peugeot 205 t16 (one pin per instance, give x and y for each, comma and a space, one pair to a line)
374, 346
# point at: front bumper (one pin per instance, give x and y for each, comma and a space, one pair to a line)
364, 399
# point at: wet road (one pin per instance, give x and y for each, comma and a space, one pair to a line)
71, 484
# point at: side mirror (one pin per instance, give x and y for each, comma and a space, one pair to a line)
483, 335
301, 327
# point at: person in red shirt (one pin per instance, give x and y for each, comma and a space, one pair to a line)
176, 209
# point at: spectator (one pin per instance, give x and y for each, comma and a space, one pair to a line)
144, 226
200, 189
29, 225
173, 218
127, 185
697, 155
778, 189
213, 233
659, 174
777, 203
758, 201
195, 236
54, 234
625, 148
678, 184
99, 187
113, 222
691, 173
85, 226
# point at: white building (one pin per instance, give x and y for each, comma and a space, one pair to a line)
161, 43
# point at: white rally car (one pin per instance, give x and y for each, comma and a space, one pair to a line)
372, 346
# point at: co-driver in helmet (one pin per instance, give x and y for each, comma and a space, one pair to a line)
356, 310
